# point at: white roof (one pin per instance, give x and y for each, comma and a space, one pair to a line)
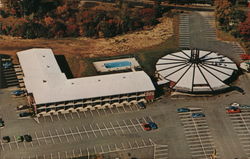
43, 78
208, 73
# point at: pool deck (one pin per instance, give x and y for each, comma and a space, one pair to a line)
100, 67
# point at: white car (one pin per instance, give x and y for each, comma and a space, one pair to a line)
22, 107
235, 104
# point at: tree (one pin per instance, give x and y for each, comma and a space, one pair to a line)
244, 28
223, 9
29, 6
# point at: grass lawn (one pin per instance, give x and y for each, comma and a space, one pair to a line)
147, 58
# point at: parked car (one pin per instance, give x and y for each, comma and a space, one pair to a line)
7, 64
6, 139
27, 138
1, 122
233, 109
235, 104
198, 115
182, 110
18, 92
245, 106
152, 125
146, 126
22, 107
19, 138
25, 114
141, 105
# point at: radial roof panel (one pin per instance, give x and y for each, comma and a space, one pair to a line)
195, 70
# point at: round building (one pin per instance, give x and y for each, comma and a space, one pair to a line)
196, 71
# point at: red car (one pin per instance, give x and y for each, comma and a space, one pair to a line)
146, 127
233, 110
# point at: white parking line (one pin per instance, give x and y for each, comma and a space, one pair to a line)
102, 149
141, 124
85, 114
117, 109
65, 116
66, 154
24, 144
124, 108
51, 137
10, 146
95, 150
74, 153
15, 140
109, 148
137, 144
72, 134
2, 145
126, 126
85, 131
99, 129
71, 114
79, 132
78, 114
44, 138
113, 127
92, 130
133, 125
91, 113
106, 128
123, 147
120, 127
245, 123
199, 138
111, 110
130, 146
81, 154
51, 118
58, 135
65, 134
37, 139
59, 156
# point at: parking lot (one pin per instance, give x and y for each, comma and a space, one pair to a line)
241, 124
78, 134
103, 149
89, 113
197, 134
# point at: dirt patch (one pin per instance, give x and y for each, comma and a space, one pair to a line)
79, 48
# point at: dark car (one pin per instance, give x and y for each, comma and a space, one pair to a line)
182, 110
25, 114
153, 125
27, 138
146, 127
141, 105
19, 138
198, 115
233, 109
7, 64
6, 139
245, 106
1, 122
18, 92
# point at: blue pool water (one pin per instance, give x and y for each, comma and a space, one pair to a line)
117, 64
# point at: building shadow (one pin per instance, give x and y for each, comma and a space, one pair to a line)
63, 64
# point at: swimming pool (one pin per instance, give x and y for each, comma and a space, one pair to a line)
117, 64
